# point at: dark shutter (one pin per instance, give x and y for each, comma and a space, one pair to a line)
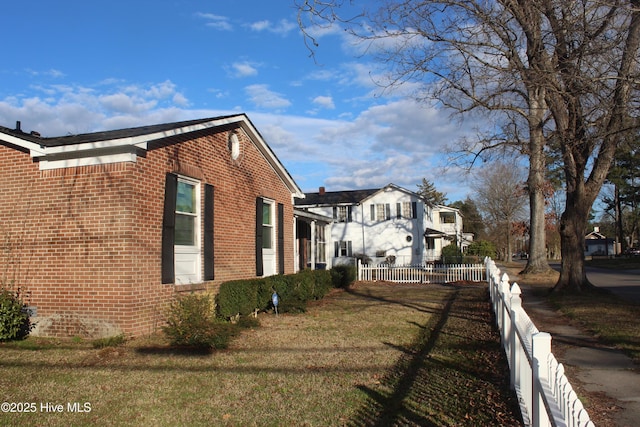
398, 210
349, 249
387, 211
259, 266
349, 214
280, 238
373, 212
336, 247
414, 210
335, 213
208, 232
168, 228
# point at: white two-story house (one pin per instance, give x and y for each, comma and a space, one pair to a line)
389, 224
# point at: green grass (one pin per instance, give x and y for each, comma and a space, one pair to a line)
612, 320
373, 354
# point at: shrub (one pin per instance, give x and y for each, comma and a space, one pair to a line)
482, 248
292, 296
343, 275
294, 290
14, 320
238, 297
191, 322
451, 254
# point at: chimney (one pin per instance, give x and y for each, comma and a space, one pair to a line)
18, 126
322, 191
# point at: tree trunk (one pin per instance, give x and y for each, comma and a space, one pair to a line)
509, 257
573, 224
537, 261
618, 219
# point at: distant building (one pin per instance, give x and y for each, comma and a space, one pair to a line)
598, 244
389, 224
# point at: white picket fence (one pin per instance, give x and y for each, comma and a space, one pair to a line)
545, 395
424, 273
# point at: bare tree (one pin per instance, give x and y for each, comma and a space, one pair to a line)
500, 196
540, 69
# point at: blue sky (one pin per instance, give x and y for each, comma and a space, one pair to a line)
83, 66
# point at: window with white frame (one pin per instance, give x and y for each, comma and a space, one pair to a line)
267, 226
407, 212
187, 231
342, 213
343, 248
380, 212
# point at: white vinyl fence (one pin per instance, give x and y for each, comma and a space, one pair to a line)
545, 395
424, 273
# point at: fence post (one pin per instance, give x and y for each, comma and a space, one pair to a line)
359, 267
516, 306
504, 309
541, 348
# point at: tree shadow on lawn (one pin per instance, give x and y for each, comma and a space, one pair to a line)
429, 387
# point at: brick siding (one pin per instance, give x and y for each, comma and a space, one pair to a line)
85, 242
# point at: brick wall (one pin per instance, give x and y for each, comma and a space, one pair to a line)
86, 242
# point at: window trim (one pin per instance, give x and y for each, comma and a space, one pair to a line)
194, 250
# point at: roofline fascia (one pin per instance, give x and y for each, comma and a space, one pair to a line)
23, 143
393, 187
92, 149
141, 141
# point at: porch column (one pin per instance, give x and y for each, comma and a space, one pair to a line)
312, 255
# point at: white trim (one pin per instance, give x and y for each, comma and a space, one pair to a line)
87, 161
269, 255
191, 253
31, 146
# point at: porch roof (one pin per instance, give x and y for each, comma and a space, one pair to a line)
301, 213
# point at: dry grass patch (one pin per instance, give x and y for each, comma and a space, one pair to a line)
609, 318
374, 354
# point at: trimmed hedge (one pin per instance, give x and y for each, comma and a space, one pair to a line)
243, 297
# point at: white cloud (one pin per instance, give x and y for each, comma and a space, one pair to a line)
260, 25
282, 27
263, 97
53, 73
217, 22
324, 102
69, 109
243, 69
397, 141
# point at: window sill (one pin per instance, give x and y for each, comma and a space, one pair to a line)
191, 287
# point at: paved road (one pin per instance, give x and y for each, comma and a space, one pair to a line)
625, 283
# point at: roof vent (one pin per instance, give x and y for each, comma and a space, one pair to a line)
36, 134
18, 126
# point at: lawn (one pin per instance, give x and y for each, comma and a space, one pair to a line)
609, 318
374, 354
